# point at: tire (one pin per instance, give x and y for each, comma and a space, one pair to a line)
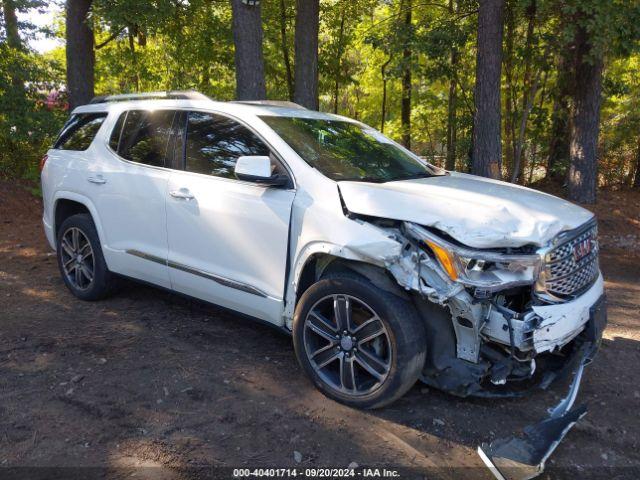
88, 279
401, 347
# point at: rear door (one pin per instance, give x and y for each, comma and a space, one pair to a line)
130, 190
228, 239
69, 160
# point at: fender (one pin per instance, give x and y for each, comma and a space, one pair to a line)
371, 256
77, 197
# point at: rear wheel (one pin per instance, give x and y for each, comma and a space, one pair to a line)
80, 259
360, 345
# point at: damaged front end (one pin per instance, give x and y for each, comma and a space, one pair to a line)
501, 323
523, 457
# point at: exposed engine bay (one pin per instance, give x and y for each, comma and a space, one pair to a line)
501, 322
498, 321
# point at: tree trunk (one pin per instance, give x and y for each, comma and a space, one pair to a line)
405, 113
247, 39
487, 150
519, 143
306, 65
584, 120
534, 149
636, 178
532, 163
15, 42
450, 162
452, 121
383, 71
530, 83
132, 48
558, 158
80, 53
285, 49
510, 90
338, 64
11, 24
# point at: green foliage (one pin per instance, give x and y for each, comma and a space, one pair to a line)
175, 44
27, 125
620, 139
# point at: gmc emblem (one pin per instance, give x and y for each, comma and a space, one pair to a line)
582, 249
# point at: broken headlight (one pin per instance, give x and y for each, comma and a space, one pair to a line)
477, 268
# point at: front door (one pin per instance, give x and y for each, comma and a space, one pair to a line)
228, 239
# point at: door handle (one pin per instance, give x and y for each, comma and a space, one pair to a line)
182, 193
97, 180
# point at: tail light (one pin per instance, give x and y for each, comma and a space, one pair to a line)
43, 161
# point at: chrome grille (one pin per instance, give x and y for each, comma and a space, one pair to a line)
567, 274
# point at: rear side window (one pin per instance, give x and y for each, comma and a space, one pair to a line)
79, 131
145, 136
215, 142
114, 139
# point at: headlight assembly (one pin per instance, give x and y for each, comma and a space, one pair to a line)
477, 268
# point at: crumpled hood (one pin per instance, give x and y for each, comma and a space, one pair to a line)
476, 211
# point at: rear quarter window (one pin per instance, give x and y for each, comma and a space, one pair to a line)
114, 139
79, 131
145, 136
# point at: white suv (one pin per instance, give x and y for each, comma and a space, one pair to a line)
384, 268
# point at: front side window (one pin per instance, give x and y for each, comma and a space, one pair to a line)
349, 151
145, 136
215, 142
79, 131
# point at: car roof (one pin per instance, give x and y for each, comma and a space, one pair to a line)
198, 101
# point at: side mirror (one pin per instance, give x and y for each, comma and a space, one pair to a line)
257, 169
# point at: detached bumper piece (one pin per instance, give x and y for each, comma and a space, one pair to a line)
524, 457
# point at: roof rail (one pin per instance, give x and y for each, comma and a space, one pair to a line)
271, 103
168, 95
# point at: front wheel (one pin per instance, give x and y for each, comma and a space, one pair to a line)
361, 345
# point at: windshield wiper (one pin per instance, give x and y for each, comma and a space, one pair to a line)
386, 180
363, 179
414, 176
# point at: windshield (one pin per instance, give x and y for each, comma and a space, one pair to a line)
349, 151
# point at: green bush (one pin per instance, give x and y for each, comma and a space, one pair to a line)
27, 125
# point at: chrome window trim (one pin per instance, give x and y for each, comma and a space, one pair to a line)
257, 134
105, 142
117, 155
95, 137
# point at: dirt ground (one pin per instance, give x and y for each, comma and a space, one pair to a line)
150, 379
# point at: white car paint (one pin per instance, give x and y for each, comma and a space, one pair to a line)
561, 323
227, 241
236, 230
476, 211
132, 208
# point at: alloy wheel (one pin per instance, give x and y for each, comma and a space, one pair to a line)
347, 345
77, 258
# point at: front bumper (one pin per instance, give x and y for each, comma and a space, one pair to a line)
523, 457
561, 323
497, 374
